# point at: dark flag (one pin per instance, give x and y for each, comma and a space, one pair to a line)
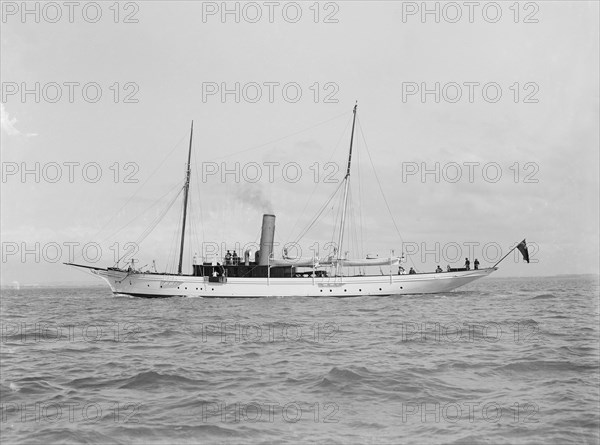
523, 249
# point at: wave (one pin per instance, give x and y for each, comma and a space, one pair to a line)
546, 366
347, 375
6, 389
142, 380
544, 297
342, 377
65, 435
151, 379
32, 385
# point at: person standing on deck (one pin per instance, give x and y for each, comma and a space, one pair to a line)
196, 267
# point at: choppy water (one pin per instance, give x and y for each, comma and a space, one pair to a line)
503, 361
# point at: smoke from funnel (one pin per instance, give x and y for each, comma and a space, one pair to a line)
253, 195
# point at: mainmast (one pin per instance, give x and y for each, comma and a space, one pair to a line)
186, 188
346, 185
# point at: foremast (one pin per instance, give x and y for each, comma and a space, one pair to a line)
340, 254
186, 189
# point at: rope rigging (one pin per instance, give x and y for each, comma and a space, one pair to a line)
318, 182
153, 223
380, 187
353, 229
264, 144
317, 216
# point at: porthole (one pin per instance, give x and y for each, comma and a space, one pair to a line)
379, 288
360, 290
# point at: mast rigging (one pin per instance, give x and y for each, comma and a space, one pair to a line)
186, 188
346, 185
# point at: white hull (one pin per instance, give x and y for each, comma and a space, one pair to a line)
159, 285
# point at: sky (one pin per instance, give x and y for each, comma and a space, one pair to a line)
482, 126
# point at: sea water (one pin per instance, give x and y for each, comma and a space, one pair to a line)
500, 361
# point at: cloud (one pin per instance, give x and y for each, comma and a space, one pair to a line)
8, 124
